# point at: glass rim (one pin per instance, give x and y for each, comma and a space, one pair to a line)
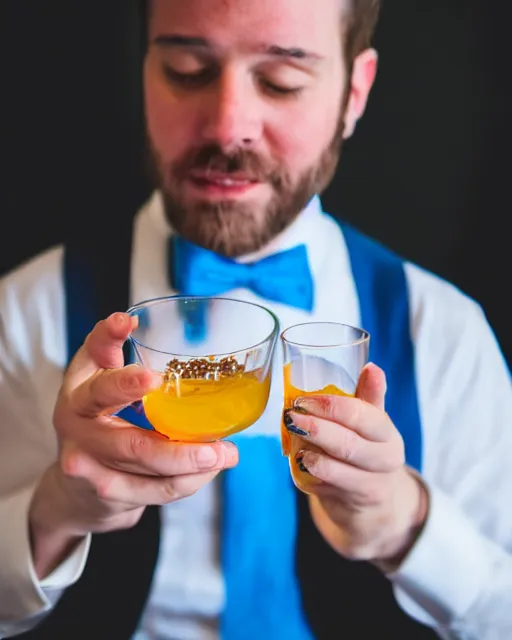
155, 301
365, 336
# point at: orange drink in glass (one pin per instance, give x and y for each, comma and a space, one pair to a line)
214, 356
320, 358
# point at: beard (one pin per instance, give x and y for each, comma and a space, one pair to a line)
234, 228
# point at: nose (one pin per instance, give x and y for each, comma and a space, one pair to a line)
232, 115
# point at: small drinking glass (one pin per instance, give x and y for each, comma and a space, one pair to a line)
214, 356
320, 358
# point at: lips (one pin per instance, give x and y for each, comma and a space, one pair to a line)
222, 185
223, 179
227, 182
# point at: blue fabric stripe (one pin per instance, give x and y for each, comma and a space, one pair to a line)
384, 302
259, 523
135, 416
79, 300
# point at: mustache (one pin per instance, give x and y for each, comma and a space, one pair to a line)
211, 158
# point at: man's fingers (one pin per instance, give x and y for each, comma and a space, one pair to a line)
134, 450
141, 491
102, 349
360, 416
108, 390
345, 444
339, 480
125, 491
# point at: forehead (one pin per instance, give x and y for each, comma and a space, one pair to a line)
311, 24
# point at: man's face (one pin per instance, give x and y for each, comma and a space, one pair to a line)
245, 104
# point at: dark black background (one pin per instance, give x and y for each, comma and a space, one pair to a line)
427, 171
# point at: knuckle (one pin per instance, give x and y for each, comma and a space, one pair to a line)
104, 488
349, 444
125, 382
71, 464
137, 446
327, 406
169, 491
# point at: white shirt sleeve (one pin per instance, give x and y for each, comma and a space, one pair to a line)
458, 577
32, 358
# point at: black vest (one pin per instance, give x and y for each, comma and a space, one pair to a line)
342, 599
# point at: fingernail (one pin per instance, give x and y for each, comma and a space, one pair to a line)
206, 457
299, 459
292, 428
118, 319
231, 454
304, 404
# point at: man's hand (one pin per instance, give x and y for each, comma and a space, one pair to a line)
368, 505
108, 471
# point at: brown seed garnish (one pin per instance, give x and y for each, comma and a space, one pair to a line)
203, 369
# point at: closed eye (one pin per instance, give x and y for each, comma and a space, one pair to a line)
190, 80
281, 91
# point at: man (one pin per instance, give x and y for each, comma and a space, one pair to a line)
247, 105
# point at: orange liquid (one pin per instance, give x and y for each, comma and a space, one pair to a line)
207, 410
292, 444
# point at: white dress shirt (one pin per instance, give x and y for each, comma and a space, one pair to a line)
458, 577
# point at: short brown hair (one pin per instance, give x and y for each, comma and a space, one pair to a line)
359, 25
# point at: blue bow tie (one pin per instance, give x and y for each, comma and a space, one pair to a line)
283, 277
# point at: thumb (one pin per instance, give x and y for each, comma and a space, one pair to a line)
102, 349
372, 386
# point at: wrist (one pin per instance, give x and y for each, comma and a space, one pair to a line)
51, 509
52, 533
411, 521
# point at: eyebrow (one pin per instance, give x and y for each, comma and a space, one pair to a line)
195, 42
294, 53
181, 41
